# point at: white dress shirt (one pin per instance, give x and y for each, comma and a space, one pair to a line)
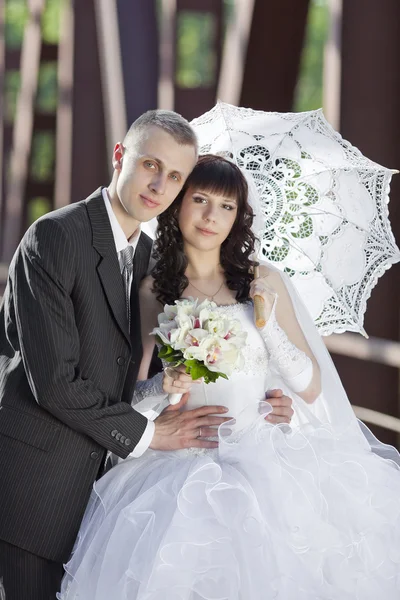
120, 244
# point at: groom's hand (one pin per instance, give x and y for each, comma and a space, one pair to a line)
174, 431
282, 411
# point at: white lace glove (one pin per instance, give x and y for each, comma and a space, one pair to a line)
294, 366
149, 394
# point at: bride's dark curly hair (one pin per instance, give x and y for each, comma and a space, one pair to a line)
215, 175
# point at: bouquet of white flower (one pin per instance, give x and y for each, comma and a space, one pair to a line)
196, 335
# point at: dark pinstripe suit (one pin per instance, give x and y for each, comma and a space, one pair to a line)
68, 366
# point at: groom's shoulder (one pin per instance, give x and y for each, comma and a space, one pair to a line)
71, 218
77, 210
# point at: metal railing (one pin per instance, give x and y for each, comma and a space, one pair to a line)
373, 349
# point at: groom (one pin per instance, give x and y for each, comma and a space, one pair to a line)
70, 351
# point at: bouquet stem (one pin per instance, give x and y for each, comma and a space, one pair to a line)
174, 398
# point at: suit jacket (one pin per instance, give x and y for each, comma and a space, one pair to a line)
68, 366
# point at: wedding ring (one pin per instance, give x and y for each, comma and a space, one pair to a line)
199, 433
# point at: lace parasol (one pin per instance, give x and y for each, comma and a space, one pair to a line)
323, 206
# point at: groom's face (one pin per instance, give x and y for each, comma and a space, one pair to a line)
151, 172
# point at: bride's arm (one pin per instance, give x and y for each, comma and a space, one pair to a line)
150, 393
150, 308
284, 339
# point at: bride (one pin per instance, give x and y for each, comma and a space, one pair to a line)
306, 511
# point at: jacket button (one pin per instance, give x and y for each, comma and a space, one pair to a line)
118, 436
94, 455
114, 432
121, 361
123, 438
127, 442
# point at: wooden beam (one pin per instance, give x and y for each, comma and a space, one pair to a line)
166, 82
63, 168
112, 79
234, 52
23, 125
374, 349
139, 37
377, 418
273, 54
369, 118
90, 160
2, 86
333, 65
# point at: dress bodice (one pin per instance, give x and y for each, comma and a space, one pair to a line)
243, 388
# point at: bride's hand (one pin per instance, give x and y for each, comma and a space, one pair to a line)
176, 381
261, 287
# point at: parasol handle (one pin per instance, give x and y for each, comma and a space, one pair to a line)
259, 312
258, 303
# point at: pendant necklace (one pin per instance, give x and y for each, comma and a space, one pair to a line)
207, 295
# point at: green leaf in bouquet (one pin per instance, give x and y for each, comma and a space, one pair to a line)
223, 376
176, 361
165, 351
168, 354
197, 369
170, 359
212, 376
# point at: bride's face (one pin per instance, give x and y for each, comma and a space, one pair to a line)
206, 219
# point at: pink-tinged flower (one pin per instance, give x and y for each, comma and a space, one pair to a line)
191, 340
213, 356
216, 353
195, 337
200, 332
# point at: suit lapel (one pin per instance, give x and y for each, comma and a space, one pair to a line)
108, 267
140, 263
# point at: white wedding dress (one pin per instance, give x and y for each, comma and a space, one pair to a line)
306, 512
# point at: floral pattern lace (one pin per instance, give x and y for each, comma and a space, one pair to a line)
149, 388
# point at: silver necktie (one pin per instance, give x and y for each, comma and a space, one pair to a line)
127, 260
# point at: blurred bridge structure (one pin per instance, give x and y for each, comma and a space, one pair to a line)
69, 93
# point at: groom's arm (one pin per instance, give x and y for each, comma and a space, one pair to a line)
42, 277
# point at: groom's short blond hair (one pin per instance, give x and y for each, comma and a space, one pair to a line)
171, 122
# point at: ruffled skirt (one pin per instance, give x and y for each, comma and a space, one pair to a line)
271, 514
